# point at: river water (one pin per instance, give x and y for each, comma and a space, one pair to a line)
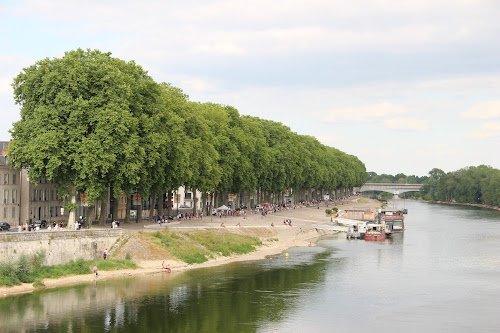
441, 275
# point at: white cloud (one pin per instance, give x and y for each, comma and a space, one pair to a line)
365, 113
487, 130
439, 149
484, 110
405, 124
465, 85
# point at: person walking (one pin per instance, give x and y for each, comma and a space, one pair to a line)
105, 255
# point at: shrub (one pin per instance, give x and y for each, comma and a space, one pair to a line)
8, 274
24, 269
38, 283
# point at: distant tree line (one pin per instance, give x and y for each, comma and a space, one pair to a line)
475, 185
90, 122
400, 178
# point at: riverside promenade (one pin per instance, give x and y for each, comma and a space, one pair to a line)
276, 239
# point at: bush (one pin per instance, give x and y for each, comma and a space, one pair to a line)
24, 269
38, 283
8, 276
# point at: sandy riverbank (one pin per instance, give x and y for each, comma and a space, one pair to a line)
275, 240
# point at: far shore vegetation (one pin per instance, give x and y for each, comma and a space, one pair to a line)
469, 185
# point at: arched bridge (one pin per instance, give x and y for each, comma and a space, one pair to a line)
395, 189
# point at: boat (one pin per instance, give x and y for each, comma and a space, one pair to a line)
356, 230
394, 217
375, 231
388, 229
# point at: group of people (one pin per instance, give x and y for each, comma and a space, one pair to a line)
288, 222
32, 227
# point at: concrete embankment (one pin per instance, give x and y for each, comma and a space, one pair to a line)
60, 246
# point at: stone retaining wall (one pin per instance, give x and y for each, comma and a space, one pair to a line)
60, 246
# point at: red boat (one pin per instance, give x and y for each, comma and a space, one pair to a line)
375, 232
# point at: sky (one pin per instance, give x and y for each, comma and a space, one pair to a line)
406, 86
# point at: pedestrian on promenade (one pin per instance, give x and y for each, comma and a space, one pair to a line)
105, 255
95, 270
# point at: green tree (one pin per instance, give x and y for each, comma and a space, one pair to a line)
79, 125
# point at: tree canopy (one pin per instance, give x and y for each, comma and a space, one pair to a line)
90, 122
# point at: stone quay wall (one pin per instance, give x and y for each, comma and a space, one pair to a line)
60, 246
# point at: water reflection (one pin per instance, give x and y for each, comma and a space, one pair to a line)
236, 297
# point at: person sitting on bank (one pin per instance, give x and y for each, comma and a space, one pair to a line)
165, 267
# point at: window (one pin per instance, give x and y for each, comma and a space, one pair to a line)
14, 196
6, 178
5, 196
14, 179
187, 196
13, 212
5, 212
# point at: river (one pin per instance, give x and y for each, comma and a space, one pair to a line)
441, 275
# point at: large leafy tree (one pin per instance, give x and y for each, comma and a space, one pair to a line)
80, 123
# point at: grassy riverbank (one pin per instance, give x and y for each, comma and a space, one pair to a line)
29, 269
199, 246
192, 247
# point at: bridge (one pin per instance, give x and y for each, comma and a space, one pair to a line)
395, 189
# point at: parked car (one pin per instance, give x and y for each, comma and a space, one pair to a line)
4, 226
40, 223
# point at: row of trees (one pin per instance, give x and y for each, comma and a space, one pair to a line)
401, 178
90, 122
476, 185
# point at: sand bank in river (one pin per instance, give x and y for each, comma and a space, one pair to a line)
275, 240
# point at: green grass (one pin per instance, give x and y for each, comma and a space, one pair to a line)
38, 283
199, 246
182, 248
29, 269
225, 243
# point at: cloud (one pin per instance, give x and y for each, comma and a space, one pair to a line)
365, 113
405, 124
439, 149
484, 110
487, 130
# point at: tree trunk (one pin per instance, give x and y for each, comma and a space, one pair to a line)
139, 211
102, 213
169, 205
161, 202
195, 203
152, 200
72, 213
204, 204
127, 205
116, 201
